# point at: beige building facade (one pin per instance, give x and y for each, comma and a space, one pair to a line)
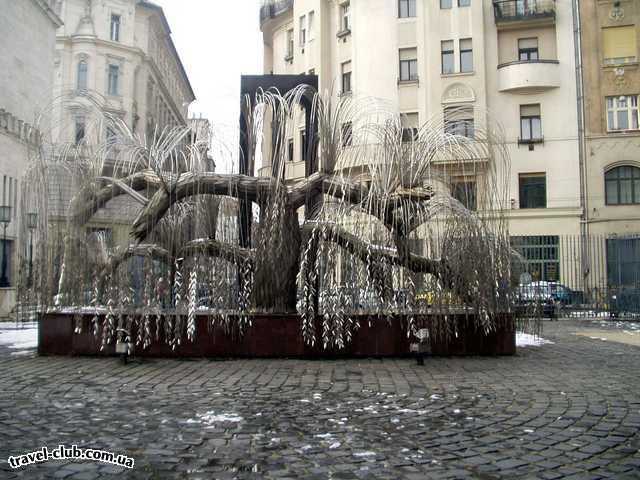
612, 85
611, 76
26, 78
122, 51
511, 61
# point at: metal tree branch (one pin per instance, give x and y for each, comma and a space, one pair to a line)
206, 247
213, 248
189, 184
362, 250
87, 203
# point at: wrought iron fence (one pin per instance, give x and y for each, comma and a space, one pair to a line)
596, 275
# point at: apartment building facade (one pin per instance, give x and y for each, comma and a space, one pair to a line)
121, 50
115, 57
26, 76
611, 78
511, 61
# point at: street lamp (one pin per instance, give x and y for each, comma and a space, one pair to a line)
32, 224
5, 218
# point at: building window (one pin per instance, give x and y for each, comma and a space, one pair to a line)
311, 24
527, 49
345, 17
459, 121
80, 132
623, 262
408, 64
533, 190
303, 30
530, 123
10, 195
622, 112
464, 3
541, 256
113, 79
406, 8
346, 77
465, 193
622, 186
347, 134
82, 75
290, 150
6, 248
619, 44
448, 61
466, 55
409, 134
409, 127
115, 28
303, 145
289, 44
446, 3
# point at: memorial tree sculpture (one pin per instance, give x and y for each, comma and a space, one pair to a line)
378, 228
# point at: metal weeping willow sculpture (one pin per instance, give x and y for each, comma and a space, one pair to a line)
377, 230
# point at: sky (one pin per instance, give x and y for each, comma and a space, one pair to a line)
217, 41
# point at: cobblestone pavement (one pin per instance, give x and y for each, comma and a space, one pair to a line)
570, 409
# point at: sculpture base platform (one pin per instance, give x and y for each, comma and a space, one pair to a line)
279, 336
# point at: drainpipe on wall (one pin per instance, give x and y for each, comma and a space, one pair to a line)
582, 143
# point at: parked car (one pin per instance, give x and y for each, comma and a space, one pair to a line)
542, 291
544, 295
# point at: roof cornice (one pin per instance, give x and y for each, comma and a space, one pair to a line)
163, 18
48, 11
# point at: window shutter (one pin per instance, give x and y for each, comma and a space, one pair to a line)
619, 42
408, 54
466, 44
528, 43
529, 110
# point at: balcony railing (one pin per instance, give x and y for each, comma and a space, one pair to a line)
272, 9
519, 10
528, 76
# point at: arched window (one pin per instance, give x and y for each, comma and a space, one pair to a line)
622, 186
82, 75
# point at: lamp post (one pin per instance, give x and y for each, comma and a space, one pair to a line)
5, 218
32, 224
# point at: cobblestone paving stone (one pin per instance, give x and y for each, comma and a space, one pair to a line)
565, 410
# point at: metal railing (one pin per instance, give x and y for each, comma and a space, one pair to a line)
517, 10
596, 275
272, 9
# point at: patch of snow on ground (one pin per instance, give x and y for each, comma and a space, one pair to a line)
527, 340
211, 418
364, 454
21, 353
410, 410
19, 336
